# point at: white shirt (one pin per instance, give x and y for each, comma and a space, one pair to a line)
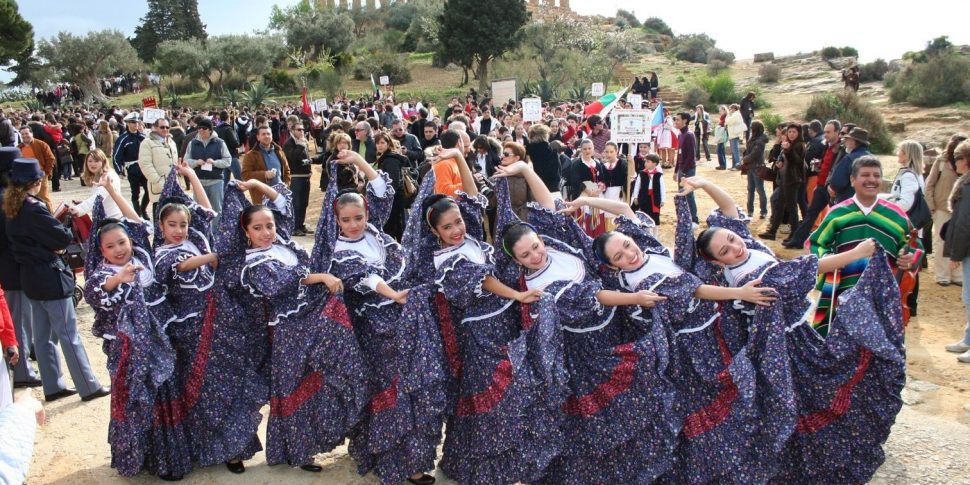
145, 277
470, 251
370, 249
275, 251
756, 259
654, 264
865, 209
559, 267
111, 208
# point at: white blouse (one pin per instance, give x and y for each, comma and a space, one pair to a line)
560, 267
654, 264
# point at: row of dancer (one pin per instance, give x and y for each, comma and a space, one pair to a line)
550, 357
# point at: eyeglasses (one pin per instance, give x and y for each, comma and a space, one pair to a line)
162, 127
506, 154
297, 129
360, 129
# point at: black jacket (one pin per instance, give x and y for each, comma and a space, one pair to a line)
392, 164
297, 156
413, 148
9, 269
816, 150
370, 150
228, 135
545, 163
34, 237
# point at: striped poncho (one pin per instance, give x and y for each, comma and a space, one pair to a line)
846, 225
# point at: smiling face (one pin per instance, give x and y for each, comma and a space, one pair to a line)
261, 229
450, 228
175, 227
727, 248
867, 183
352, 220
530, 252
95, 164
623, 253
116, 246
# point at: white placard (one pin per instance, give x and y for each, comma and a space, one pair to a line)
503, 90
598, 89
631, 126
151, 115
531, 109
385, 80
636, 100
320, 105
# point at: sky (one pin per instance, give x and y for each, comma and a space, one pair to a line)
745, 28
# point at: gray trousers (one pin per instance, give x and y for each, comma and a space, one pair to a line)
57, 318
22, 317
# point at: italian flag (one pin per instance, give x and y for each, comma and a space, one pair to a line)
604, 105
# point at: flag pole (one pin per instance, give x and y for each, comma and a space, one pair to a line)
630, 172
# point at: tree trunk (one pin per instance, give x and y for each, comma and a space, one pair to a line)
90, 90
158, 88
464, 76
482, 72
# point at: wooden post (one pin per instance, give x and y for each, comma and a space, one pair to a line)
631, 170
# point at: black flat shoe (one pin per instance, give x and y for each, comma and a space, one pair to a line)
104, 391
60, 394
299, 233
236, 467
312, 467
424, 480
28, 383
171, 478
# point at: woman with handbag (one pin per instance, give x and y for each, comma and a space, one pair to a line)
752, 164
790, 169
908, 193
36, 239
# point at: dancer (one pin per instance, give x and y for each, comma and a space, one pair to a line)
828, 398
507, 377
184, 264
401, 427
315, 372
131, 315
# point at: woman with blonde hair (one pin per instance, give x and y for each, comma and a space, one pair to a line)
909, 180
96, 166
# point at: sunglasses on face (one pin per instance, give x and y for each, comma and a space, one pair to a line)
297, 129
506, 154
162, 127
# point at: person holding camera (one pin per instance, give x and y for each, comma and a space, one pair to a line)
297, 151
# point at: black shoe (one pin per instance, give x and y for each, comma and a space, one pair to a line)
424, 480
299, 232
171, 478
792, 244
719, 168
104, 391
236, 467
28, 383
767, 235
59, 394
307, 231
312, 467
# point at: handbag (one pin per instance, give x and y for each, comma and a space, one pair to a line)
766, 173
410, 188
919, 213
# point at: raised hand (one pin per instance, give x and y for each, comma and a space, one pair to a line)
129, 272
511, 169
691, 184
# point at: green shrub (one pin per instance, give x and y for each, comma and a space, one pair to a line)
769, 73
830, 52
692, 48
849, 52
627, 18
770, 120
715, 54
873, 71
182, 85
936, 82
657, 25
279, 80
696, 95
234, 81
324, 77
716, 66
848, 107
395, 66
720, 88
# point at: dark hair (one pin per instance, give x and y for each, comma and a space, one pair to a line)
594, 120
168, 206
684, 116
652, 157
815, 126
108, 225
951, 147
703, 243
433, 206
599, 247
346, 197
247, 214
757, 128
449, 139
835, 124
863, 162
513, 234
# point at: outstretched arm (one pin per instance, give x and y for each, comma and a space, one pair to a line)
126, 209
614, 207
494, 286
539, 190
720, 197
255, 185
197, 191
348, 157
834, 261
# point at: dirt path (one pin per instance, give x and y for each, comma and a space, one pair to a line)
929, 442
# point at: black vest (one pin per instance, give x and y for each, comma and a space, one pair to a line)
199, 151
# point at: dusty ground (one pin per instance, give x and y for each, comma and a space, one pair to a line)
928, 445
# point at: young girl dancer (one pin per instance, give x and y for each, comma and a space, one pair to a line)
131, 315
508, 377
401, 426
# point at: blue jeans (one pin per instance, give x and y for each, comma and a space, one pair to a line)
690, 197
235, 168
735, 152
966, 298
756, 184
721, 156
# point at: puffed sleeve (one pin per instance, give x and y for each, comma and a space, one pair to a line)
638, 230
101, 299
380, 199
551, 223
282, 208
461, 280
270, 279
473, 211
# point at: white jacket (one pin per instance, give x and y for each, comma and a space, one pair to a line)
156, 156
735, 125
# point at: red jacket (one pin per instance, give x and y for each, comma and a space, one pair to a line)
8, 338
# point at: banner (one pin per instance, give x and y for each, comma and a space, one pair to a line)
531, 109
598, 89
631, 126
150, 115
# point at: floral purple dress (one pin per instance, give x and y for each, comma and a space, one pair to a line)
621, 418
401, 426
191, 329
833, 399
131, 319
505, 364
316, 374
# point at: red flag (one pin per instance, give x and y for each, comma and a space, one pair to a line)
306, 104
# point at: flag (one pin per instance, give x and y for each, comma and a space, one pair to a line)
604, 105
377, 90
306, 103
658, 116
